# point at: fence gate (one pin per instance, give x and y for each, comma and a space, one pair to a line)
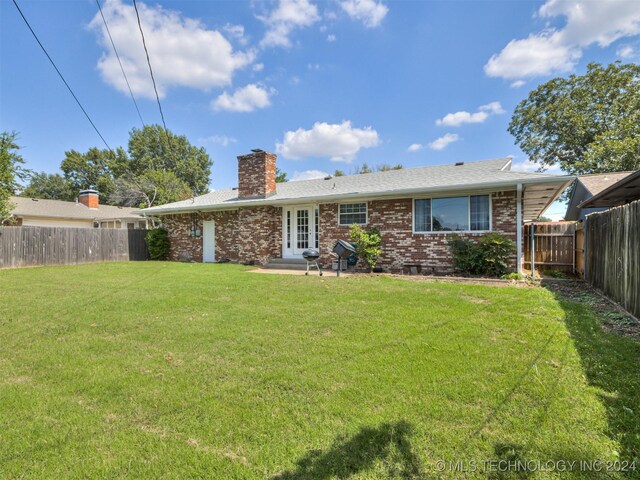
550, 245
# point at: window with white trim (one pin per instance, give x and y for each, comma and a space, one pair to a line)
452, 214
351, 213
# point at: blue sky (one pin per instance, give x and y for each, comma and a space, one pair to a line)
327, 85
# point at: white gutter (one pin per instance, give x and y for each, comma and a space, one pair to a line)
234, 204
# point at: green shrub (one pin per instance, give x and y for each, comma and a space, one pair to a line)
465, 255
367, 244
513, 276
158, 243
495, 250
489, 256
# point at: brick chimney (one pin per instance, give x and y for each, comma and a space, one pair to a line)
89, 198
257, 174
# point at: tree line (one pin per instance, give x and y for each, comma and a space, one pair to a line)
157, 167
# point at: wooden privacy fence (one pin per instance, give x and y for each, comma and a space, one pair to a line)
553, 246
612, 257
580, 249
31, 246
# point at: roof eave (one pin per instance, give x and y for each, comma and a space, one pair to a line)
563, 179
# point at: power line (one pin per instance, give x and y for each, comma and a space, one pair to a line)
144, 44
62, 77
118, 57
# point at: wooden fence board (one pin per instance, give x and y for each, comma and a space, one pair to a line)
554, 246
612, 257
32, 246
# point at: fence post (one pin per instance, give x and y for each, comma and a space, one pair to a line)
533, 253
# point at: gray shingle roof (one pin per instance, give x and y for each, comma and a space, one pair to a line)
59, 209
597, 182
441, 178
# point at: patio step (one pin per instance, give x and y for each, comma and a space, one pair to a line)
287, 264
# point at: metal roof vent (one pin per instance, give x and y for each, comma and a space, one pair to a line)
257, 150
328, 177
459, 164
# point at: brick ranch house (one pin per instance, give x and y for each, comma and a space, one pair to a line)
414, 209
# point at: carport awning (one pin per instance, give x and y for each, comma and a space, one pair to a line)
536, 198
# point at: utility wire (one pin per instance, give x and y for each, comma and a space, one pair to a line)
144, 44
62, 77
118, 57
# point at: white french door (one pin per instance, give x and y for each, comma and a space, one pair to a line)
299, 230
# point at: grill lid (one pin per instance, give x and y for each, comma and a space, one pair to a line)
311, 254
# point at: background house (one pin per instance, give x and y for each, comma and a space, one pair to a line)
625, 190
84, 213
587, 186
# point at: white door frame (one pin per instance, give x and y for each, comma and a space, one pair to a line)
289, 249
208, 236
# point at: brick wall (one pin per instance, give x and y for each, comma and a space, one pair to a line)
256, 175
399, 245
254, 234
246, 235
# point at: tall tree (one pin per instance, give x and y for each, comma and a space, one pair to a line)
151, 188
94, 169
281, 176
11, 171
155, 149
584, 123
49, 186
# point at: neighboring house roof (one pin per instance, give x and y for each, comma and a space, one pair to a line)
597, 182
586, 186
625, 190
487, 174
36, 207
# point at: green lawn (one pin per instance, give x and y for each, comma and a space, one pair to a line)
167, 370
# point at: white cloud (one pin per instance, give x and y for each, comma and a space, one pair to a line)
331, 38
183, 51
313, 66
222, 140
258, 67
245, 99
289, 15
338, 142
414, 147
517, 84
444, 141
625, 51
556, 50
237, 32
308, 175
369, 12
527, 165
459, 118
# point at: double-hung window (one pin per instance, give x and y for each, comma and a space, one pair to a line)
351, 213
452, 214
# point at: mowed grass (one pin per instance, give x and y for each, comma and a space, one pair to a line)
168, 370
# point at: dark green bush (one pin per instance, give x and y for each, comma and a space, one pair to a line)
158, 243
489, 256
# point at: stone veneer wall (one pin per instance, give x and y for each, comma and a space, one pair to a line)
400, 245
247, 235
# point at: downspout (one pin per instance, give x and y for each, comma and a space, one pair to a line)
519, 228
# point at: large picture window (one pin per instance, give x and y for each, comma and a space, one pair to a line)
351, 213
452, 214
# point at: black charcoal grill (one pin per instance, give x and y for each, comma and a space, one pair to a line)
343, 250
311, 255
